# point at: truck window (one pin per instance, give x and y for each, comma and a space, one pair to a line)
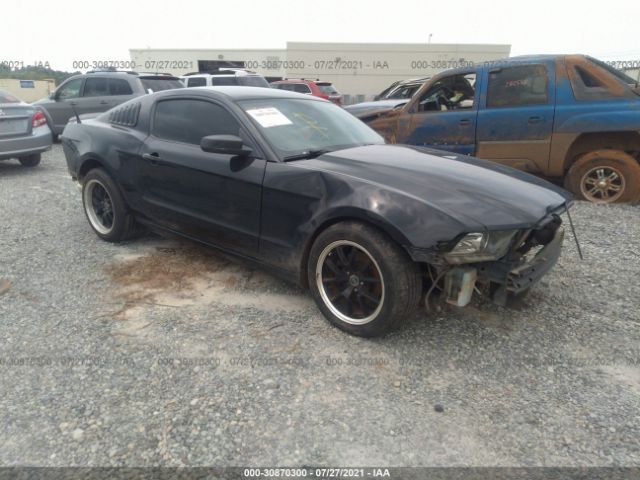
520, 85
456, 92
591, 80
197, 82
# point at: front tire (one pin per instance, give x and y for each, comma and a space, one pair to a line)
30, 160
105, 207
605, 176
362, 281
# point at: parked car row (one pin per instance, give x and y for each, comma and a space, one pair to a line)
288, 181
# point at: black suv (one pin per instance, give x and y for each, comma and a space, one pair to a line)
99, 91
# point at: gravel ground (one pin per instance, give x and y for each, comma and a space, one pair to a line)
157, 352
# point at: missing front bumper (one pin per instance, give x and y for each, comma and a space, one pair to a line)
503, 277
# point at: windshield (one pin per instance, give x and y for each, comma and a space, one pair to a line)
253, 81
296, 126
6, 97
159, 84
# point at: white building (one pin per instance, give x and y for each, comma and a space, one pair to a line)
359, 70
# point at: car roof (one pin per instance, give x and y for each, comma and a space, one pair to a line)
241, 93
300, 80
127, 74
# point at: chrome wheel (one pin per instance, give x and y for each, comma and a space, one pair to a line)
602, 185
350, 282
99, 206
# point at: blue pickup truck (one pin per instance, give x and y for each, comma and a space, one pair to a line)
568, 117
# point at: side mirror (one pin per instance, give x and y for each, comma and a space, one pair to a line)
53, 96
224, 144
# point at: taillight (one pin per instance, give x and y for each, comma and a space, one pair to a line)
38, 119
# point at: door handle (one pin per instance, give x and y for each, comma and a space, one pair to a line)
153, 158
104, 102
73, 103
465, 121
535, 119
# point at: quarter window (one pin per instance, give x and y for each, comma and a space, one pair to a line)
187, 121
521, 85
118, 86
301, 88
96, 87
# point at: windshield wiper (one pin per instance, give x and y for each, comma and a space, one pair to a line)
306, 155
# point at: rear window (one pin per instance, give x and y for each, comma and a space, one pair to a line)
197, 82
6, 97
327, 88
159, 84
253, 81
224, 81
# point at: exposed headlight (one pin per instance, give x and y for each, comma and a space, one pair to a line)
481, 247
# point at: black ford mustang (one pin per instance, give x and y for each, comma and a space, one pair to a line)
302, 187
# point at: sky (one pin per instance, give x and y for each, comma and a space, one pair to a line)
62, 32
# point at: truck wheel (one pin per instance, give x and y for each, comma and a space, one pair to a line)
605, 176
105, 207
362, 281
30, 160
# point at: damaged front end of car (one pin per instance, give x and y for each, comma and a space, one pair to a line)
499, 264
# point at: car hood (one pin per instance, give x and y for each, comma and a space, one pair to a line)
366, 109
476, 193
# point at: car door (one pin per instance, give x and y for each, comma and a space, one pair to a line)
211, 197
67, 95
515, 122
94, 97
443, 115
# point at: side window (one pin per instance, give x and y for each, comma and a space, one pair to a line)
456, 92
594, 80
96, 87
187, 121
197, 82
70, 89
118, 86
521, 85
301, 88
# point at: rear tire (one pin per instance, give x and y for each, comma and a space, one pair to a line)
30, 160
362, 281
605, 176
105, 207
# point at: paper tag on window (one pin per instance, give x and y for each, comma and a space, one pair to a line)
269, 117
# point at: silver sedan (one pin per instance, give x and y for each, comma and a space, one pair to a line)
24, 133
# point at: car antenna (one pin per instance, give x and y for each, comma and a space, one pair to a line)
573, 231
75, 113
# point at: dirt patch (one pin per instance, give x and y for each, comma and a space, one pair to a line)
165, 268
190, 275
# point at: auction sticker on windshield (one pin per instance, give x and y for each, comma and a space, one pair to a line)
269, 117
